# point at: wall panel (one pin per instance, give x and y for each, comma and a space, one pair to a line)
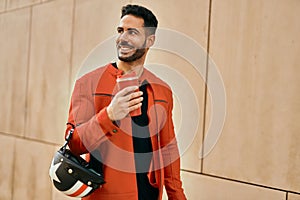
49, 72
13, 70
13, 4
293, 196
6, 166
202, 188
256, 47
31, 177
2, 5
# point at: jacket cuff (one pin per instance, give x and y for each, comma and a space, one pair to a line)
105, 123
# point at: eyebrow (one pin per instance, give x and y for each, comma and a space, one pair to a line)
133, 29
129, 29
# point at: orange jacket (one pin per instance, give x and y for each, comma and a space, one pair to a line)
95, 131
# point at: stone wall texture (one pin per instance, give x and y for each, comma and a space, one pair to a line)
253, 44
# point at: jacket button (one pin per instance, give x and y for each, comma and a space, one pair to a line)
114, 130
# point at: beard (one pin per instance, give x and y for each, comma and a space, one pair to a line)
139, 52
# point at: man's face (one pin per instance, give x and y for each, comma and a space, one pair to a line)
131, 40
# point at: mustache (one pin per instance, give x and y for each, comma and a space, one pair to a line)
125, 44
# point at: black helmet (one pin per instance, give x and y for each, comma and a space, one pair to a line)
72, 175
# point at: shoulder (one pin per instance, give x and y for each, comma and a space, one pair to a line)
159, 86
93, 75
88, 82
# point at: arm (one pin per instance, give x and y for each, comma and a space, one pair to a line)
94, 128
91, 128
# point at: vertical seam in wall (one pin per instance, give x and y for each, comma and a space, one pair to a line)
28, 70
71, 47
286, 196
13, 170
205, 87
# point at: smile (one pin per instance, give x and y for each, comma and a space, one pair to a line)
125, 49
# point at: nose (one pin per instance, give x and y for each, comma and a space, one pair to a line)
123, 36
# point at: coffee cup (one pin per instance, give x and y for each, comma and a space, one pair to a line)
126, 81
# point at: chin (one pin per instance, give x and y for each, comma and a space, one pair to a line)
127, 58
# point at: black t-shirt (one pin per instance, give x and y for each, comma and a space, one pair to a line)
143, 150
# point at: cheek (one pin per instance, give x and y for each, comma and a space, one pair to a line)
139, 44
137, 40
117, 40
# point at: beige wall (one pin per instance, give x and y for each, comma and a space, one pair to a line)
254, 44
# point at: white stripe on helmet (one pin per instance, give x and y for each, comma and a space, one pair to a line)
78, 185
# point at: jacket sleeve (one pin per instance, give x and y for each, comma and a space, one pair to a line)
171, 157
91, 128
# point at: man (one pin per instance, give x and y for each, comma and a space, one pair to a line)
139, 153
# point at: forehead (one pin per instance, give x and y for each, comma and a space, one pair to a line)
130, 21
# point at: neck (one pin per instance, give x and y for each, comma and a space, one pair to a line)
136, 66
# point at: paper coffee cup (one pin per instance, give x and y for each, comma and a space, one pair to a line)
123, 82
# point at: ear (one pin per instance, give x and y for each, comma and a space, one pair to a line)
150, 41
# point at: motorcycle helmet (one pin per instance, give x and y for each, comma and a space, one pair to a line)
72, 175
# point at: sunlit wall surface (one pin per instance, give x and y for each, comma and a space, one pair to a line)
253, 44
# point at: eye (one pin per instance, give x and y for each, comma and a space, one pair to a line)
119, 30
132, 32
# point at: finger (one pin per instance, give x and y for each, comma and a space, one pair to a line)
133, 95
135, 101
134, 107
127, 90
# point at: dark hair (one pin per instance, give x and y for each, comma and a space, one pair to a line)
142, 12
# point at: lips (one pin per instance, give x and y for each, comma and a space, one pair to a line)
125, 48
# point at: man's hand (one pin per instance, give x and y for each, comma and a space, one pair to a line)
124, 102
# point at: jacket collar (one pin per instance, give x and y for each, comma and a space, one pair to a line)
146, 77
113, 70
